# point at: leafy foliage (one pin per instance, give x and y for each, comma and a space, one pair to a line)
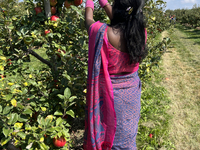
189, 17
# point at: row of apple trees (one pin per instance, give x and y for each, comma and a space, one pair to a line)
41, 106
187, 16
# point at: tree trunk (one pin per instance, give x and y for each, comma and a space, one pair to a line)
47, 8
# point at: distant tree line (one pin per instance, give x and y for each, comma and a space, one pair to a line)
190, 17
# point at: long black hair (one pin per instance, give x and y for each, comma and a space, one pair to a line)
128, 17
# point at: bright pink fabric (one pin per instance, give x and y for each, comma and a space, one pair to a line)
118, 61
103, 3
89, 3
100, 98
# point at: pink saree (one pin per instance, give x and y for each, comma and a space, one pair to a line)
107, 96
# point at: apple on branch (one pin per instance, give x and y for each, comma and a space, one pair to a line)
67, 4
38, 10
47, 31
60, 51
54, 18
59, 141
53, 10
78, 2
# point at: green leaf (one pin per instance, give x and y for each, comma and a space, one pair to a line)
22, 118
13, 119
7, 109
58, 113
61, 96
0, 108
27, 127
33, 104
21, 134
72, 103
6, 131
58, 34
52, 129
43, 146
72, 98
59, 121
5, 140
71, 113
28, 111
66, 133
57, 128
8, 97
67, 93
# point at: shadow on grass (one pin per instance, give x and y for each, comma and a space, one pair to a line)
192, 33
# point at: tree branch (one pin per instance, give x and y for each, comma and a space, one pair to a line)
39, 57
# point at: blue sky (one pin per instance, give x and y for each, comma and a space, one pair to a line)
179, 4
176, 4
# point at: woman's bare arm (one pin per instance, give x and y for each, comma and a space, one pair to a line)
88, 17
108, 9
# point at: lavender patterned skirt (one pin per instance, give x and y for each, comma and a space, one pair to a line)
127, 94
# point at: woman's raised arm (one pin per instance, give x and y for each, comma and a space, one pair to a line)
89, 8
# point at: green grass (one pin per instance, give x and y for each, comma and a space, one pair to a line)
182, 68
192, 34
154, 118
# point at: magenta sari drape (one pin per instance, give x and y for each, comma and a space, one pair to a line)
100, 122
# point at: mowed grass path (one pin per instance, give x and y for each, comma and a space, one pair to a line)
182, 71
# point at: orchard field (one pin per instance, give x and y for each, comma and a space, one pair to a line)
43, 72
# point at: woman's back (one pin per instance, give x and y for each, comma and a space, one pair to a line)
119, 59
115, 37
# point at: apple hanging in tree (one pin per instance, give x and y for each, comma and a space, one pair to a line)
59, 141
46, 32
38, 10
78, 2
54, 18
67, 4
53, 10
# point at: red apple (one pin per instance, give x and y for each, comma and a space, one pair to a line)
46, 32
60, 52
54, 18
53, 10
9, 62
38, 10
1, 76
59, 142
150, 135
67, 4
28, 99
53, 2
78, 2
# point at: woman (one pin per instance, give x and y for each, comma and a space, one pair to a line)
114, 88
